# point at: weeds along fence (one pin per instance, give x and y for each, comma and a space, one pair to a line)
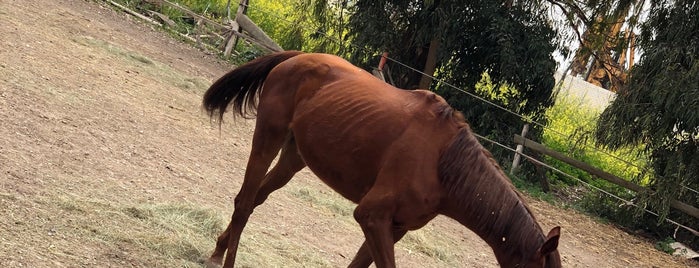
207, 34
537, 147
222, 38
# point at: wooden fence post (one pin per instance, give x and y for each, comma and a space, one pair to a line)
378, 72
235, 27
257, 33
519, 150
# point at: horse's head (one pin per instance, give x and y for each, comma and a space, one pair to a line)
547, 255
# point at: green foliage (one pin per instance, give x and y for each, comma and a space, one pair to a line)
576, 126
514, 47
533, 190
664, 245
608, 208
502, 93
213, 8
269, 15
658, 108
316, 26
571, 129
246, 53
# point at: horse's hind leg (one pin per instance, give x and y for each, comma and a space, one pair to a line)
257, 186
290, 162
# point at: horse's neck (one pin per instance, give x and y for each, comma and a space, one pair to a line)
490, 207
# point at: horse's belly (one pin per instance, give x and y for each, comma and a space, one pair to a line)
344, 129
349, 170
343, 143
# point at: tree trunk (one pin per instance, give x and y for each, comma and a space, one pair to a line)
430, 64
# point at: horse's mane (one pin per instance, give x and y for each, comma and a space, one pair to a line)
474, 180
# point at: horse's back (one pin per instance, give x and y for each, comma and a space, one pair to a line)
349, 126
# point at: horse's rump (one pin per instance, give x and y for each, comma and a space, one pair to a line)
242, 86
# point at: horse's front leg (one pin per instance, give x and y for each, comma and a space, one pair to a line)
363, 257
375, 215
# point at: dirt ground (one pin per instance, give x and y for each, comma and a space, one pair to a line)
100, 121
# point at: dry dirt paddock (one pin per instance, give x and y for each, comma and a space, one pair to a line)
106, 160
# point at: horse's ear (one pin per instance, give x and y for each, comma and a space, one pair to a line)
551, 242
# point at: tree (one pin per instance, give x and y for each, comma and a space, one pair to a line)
315, 26
607, 40
514, 46
459, 41
659, 107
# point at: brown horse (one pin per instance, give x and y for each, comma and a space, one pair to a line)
403, 156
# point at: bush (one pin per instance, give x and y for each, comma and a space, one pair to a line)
570, 131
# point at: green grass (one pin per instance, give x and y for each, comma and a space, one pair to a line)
570, 131
532, 189
664, 245
267, 14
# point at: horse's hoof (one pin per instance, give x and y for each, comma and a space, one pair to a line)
213, 263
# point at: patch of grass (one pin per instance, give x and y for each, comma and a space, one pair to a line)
140, 58
664, 245
424, 242
112, 49
70, 205
7, 196
332, 203
174, 233
268, 248
531, 189
178, 226
191, 84
575, 124
571, 130
167, 73
185, 25
137, 213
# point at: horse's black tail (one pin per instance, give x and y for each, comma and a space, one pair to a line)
242, 86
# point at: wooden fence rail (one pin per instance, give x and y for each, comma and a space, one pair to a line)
681, 206
255, 33
228, 33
